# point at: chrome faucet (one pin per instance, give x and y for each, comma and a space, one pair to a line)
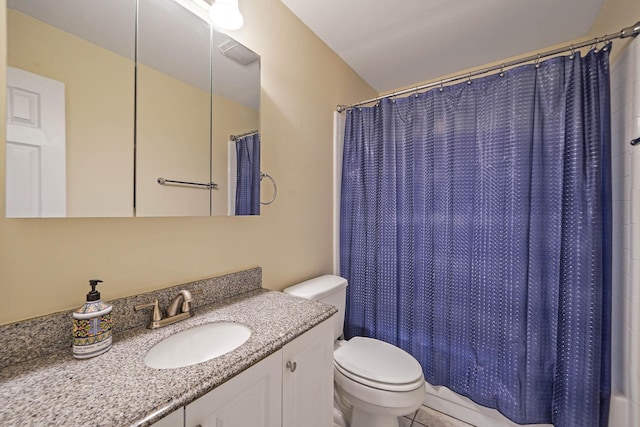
173, 314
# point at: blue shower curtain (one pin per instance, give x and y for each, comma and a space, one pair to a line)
248, 175
475, 234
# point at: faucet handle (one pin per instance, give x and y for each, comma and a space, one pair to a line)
156, 315
186, 301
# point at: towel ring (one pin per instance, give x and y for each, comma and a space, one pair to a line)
275, 187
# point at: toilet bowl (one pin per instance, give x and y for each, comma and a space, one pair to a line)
375, 382
379, 380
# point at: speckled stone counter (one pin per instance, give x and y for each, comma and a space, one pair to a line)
39, 336
118, 389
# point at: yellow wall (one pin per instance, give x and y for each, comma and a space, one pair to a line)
98, 93
45, 263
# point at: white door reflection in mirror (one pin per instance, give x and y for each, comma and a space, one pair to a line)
35, 146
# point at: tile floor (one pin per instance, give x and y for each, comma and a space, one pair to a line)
427, 417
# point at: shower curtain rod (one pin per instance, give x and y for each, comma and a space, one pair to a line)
631, 31
242, 135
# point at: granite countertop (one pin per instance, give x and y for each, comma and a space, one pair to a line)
118, 389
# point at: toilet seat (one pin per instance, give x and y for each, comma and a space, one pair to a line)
377, 364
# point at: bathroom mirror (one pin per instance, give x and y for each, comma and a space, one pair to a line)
173, 110
70, 108
196, 87
108, 135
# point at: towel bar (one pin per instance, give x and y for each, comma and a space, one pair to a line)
209, 186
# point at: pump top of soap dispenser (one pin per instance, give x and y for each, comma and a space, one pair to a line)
93, 295
94, 305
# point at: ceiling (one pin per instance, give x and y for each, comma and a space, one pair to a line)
397, 43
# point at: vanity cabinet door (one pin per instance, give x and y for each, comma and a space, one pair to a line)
252, 398
307, 378
174, 419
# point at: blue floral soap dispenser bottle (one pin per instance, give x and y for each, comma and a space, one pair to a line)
92, 326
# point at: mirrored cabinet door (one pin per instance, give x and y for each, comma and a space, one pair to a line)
198, 101
173, 110
70, 115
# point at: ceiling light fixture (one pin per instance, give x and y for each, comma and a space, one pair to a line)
226, 14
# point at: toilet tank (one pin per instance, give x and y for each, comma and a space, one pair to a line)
328, 289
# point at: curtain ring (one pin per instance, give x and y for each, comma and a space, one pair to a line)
441, 87
416, 92
469, 79
598, 40
537, 64
573, 52
501, 70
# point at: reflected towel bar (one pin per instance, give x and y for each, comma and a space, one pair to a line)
209, 186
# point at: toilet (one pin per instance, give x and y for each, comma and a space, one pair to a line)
375, 382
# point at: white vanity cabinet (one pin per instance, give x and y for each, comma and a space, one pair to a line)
174, 419
307, 378
252, 398
293, 387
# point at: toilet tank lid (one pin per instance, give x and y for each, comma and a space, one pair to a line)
318, 287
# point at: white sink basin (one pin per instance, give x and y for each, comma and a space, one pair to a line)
197, 345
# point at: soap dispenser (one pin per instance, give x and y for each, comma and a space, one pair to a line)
92, 325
